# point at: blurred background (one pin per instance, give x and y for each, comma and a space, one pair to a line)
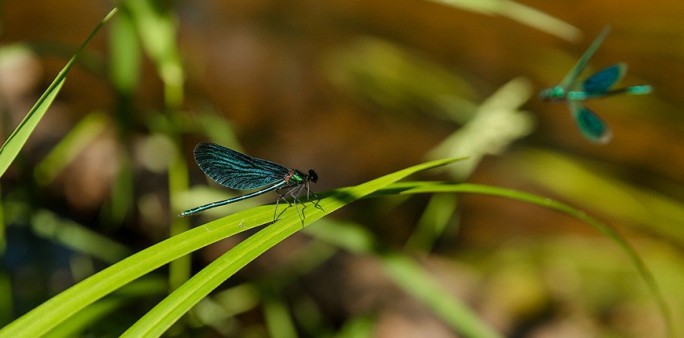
355, 90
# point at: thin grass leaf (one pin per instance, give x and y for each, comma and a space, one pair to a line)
56, 310
69, 147
642, 269
125, 56
157, 28
278, 319
167, 312
10, 149
3, 226
76, 237
519, 12
436, 216
655, 212
411, 277
361, 326
63, 306
77, 326
125, 59
406, 273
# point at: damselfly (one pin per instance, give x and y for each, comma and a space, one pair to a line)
598, 85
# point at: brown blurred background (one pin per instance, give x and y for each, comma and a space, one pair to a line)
358, 89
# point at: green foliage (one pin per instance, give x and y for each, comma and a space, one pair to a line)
69, 302
369, 70
20, 135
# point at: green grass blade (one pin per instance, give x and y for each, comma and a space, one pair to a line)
642, 269
278, 319
63, 306
10, 149
157, 28
360, 326
69, 147
125, 56
78, 326
167, 312
406, 273
42, 319
431, 225
648, 210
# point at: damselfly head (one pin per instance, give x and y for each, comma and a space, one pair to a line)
313, 177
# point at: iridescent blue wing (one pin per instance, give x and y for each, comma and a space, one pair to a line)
604, 80
591, 126
236, 170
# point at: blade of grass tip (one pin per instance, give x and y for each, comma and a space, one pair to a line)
10, 149
168, 311
604, 228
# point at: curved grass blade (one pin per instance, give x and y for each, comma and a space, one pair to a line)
81, 325
642, 269
405, 271
411, 278
63, 306
167, 312
56, 310
10, 149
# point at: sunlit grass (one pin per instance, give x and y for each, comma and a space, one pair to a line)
400, 80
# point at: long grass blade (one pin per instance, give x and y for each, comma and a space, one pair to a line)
56, 310
162, 316
10, 149
604, 228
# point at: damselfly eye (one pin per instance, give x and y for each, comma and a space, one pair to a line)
313, 177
